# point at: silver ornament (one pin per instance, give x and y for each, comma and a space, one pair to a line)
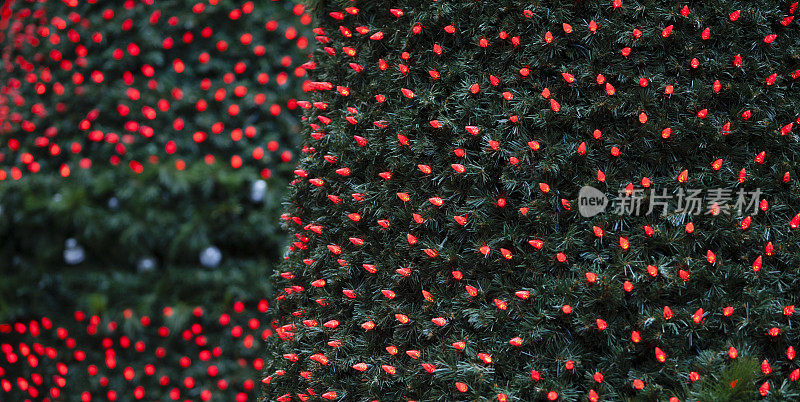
73, 252
146, 264
113, 203
210, 257
258, 190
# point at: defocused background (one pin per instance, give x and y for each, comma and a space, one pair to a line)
144, 150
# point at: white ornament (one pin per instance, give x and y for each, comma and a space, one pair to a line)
146, 264
73, 252
258, 190
210, 257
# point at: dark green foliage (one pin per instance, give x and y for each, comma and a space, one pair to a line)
162, 213
731, 382
536, 166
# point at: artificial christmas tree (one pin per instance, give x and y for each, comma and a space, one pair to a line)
501, 200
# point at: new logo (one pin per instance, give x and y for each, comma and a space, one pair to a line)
591, 201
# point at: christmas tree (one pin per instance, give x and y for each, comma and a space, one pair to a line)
144, 150
118, 119
514, 201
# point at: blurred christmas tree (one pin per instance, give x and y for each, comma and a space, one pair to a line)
502, 200
144, 150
